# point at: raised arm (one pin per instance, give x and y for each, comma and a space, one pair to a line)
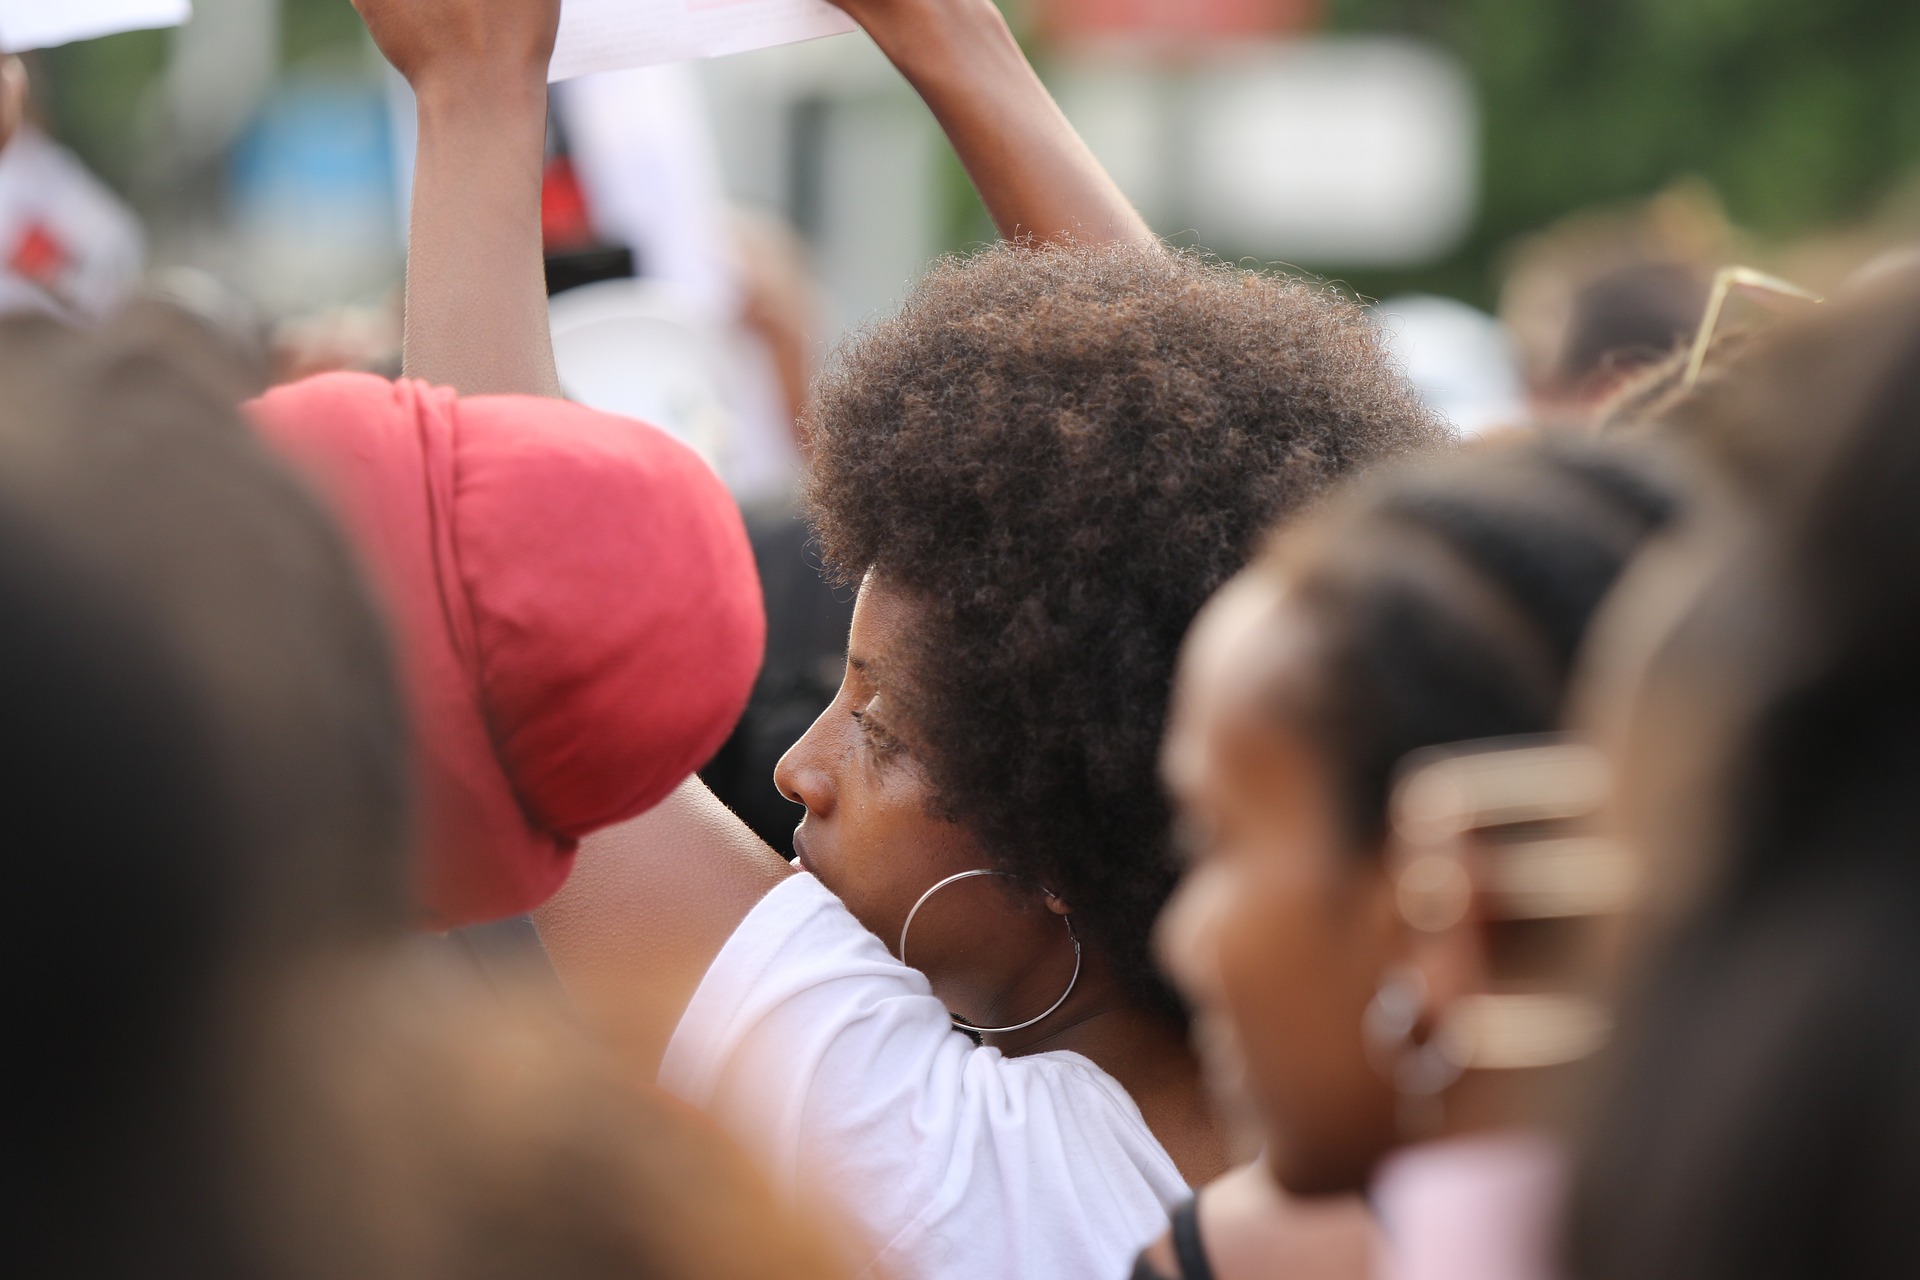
652, 900
1036, 176
476, 285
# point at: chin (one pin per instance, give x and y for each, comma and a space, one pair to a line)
1301, 1166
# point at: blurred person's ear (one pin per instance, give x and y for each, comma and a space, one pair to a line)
1507, 897
13, 97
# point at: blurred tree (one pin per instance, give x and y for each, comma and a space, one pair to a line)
103, 96
1800, 113
94, 93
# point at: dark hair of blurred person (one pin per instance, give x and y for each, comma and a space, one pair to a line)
127, 443
1605, 292
203, 754
233, 1065
1623, 322
125, 888
407, 1120
1764, 1120
1649, 398
1433, 606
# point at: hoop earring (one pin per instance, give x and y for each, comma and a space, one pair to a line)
1419, 1073
961, 1022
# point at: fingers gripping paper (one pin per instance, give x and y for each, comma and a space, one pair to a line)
606, 35
41, 24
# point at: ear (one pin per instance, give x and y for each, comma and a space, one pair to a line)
1440, 906
1058, 907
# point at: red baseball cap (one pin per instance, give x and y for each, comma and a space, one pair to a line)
576, 607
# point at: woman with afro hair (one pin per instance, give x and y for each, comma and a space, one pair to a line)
943, 1022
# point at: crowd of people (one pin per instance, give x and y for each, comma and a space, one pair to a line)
1256, 834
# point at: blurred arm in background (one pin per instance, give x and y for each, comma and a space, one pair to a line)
1036, 176
13, 96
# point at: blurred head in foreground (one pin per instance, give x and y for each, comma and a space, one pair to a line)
1431, 606
203, 745
232, 1065
1765, 1118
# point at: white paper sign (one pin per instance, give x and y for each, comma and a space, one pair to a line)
607, 35
41, 24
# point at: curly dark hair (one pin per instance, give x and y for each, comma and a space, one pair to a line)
1450, 603
1062, 452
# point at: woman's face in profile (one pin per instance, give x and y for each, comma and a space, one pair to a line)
872, 835
1280, 928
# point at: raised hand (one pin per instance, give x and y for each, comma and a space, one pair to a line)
436, 43
476, 290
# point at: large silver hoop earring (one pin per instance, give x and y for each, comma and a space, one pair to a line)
961, 1022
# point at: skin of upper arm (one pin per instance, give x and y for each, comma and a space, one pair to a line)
647, 908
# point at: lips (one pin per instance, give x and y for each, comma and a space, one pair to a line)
800, 850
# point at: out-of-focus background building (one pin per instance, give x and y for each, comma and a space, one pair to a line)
1243, 123
1502, 154
1537, 192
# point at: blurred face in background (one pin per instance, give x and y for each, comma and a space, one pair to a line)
1281, 929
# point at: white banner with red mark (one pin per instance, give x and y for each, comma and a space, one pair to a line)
68, 246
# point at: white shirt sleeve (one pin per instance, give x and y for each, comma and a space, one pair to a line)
833, 1064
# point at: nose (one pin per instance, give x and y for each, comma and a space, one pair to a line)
802, 775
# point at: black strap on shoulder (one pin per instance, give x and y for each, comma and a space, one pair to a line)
1188, 1253
1187, 1249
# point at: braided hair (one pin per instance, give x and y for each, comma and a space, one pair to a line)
1448, 601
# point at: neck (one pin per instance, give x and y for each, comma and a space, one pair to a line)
1148, 1053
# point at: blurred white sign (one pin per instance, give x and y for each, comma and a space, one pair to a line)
41, 24
1459, 358
608, 35
1335, 152
67, 245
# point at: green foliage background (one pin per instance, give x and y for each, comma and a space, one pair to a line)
1801, 114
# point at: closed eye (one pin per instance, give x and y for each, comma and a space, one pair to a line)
884, 744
